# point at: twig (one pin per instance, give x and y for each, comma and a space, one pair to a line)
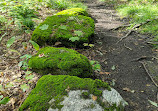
127, 47
155, 43
140, 58
130, 31
121, 26
149, 74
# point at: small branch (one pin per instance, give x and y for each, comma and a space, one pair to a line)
140, 58
121, 26
127, 47
155, 43
149, 73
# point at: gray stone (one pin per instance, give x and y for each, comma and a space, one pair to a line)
113, 97
74, 102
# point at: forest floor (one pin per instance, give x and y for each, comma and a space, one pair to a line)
121, 61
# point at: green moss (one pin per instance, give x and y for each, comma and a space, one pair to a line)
85, 95
73, 11
60, 61
51, 86
61, 28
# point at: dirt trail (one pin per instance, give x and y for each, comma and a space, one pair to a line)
122, 59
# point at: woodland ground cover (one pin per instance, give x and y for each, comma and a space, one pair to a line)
16, 84
18, 19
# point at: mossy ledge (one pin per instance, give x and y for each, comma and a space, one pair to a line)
53, 86
73, 11
60, 61
62, 27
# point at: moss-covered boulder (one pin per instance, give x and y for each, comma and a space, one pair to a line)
73, 11
60, 61
65, 29
50, 91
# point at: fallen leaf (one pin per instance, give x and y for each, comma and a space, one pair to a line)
147, 84
41, 55
94, 97
126, 89
132, 91
113, 67
105, 73
12, 101
67, 89
57, 43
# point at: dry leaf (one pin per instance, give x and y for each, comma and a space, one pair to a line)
126, 89
105, 73
41, 55
2, 74
25, 48
67, 89
57, 43
12, 101
94, 98
147, 84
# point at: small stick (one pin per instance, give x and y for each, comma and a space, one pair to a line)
127, 47
149, 73
121, 26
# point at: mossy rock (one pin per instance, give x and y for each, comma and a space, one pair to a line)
63, 27
56, 87
60, 61
73, 11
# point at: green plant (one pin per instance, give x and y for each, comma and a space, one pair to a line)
24, 87
23, 15
95, 65
73, 39
5, 100
9, 43
3, 20
34, 44
24, 64
58, 4
90, 45
2, 36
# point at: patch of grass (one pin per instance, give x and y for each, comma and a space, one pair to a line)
141, 11
65, 4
